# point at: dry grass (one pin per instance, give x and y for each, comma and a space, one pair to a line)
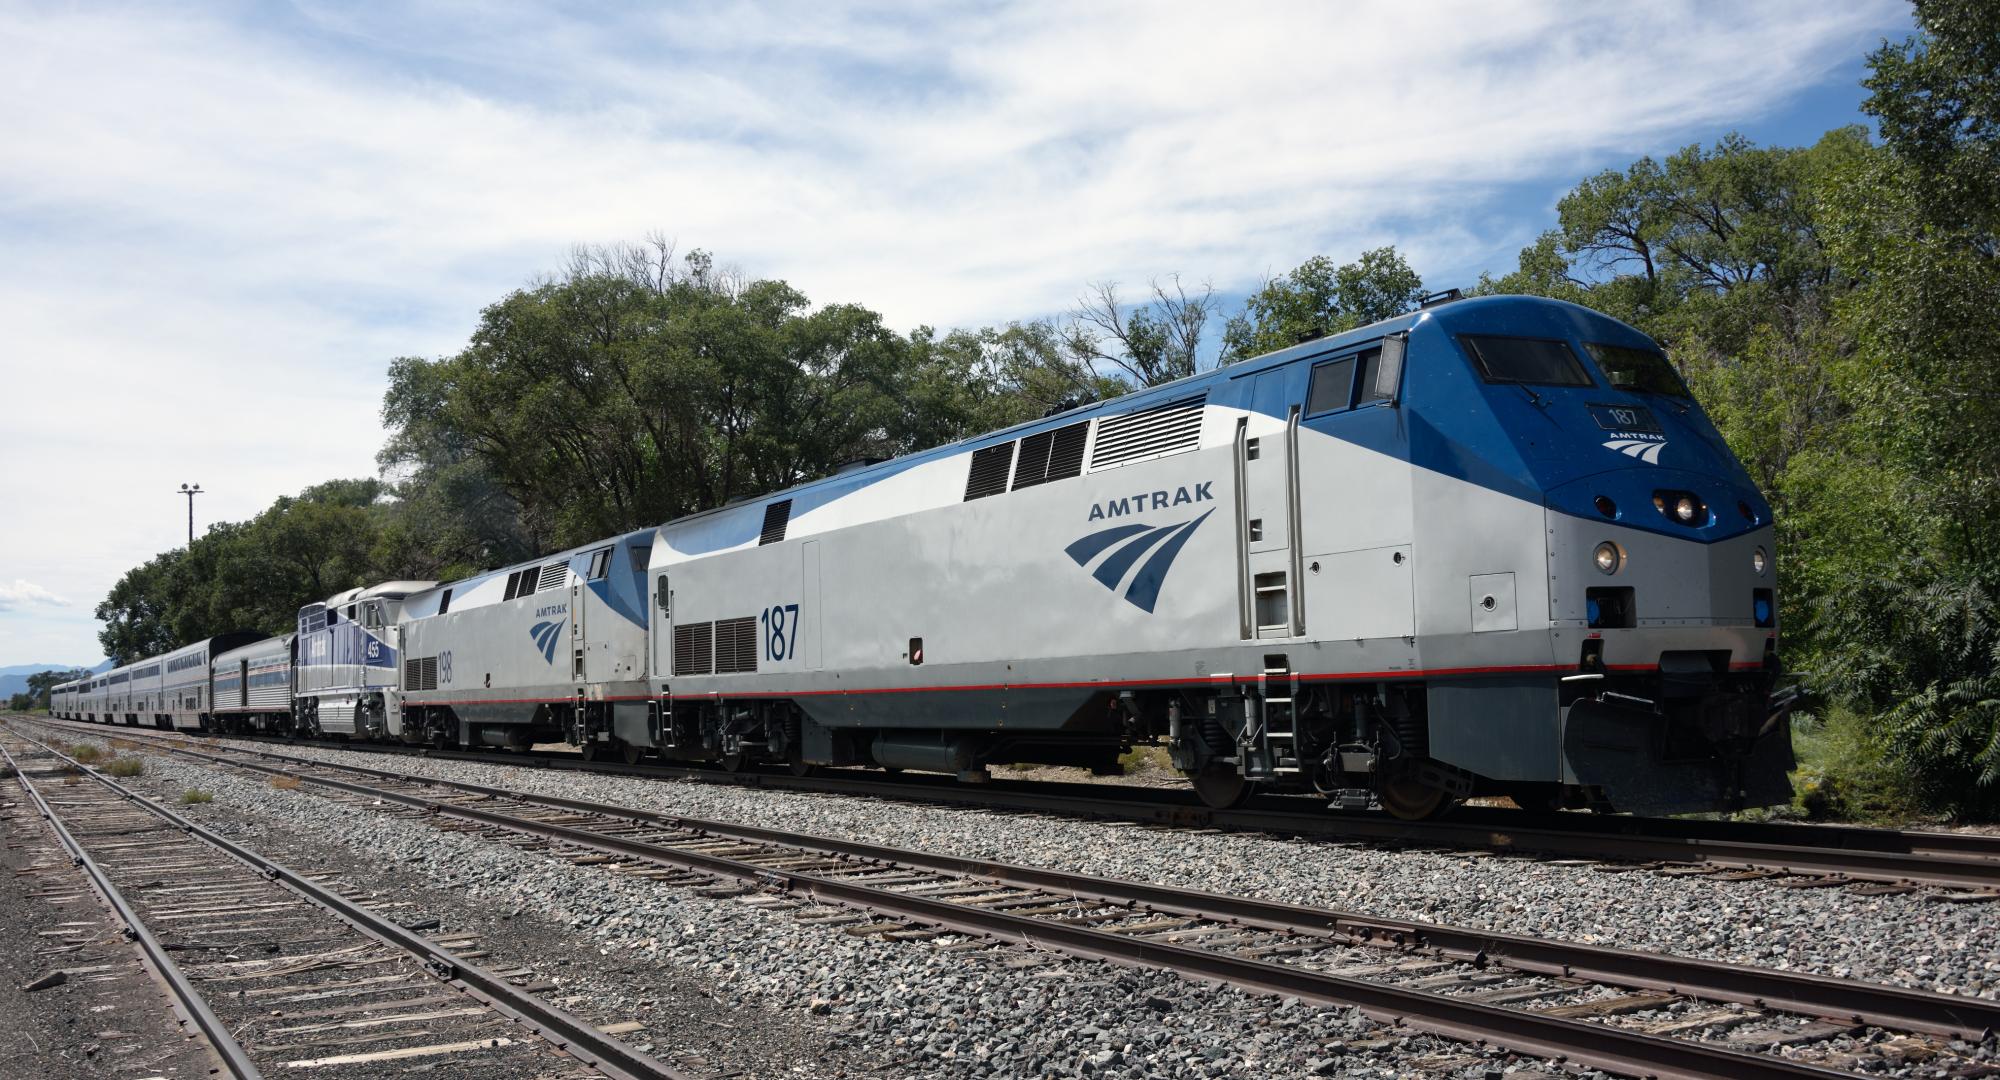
88, 753
286, 783
124, 744
195, 795
126, 766
1147, 759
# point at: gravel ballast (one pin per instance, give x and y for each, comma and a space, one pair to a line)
1904, 940
879, 1007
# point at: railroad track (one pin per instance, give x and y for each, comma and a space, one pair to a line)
279, 971
1960, 867
1623, 1011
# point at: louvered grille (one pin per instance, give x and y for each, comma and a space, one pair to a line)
693, 645
420, 673
989, 471
1066, 456
776, 516
735, 645
1031, 466
1051, 455
1149, 433
554, 576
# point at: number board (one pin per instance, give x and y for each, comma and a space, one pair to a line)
1625, 418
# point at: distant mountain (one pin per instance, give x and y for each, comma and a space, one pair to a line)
14, 679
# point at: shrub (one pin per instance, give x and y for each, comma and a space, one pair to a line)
87, 753
1919, 649
1846, 773
126, 766
195, 795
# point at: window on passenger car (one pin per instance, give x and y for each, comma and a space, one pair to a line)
1643, 370
1525, 360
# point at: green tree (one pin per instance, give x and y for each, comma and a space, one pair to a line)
1908, 626
252, 575
636, 388
1318, 298
42, 682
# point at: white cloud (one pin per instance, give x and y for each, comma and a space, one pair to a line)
27, 594
221, 227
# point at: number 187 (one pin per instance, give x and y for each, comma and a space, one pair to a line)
781, 631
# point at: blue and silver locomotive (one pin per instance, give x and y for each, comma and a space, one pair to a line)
1490, 547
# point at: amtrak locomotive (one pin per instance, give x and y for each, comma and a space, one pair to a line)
1490, 547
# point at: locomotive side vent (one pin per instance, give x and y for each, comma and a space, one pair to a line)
693, 643
735, 645
554, 576
777, 515
1172, 428
420, 673
989, 471
1051, 455
520, 583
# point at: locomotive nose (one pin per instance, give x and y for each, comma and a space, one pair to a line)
1643, 546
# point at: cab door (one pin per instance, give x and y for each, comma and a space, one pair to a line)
660, 628
1267, 475
578, 589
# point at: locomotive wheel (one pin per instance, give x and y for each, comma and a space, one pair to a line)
590, 750
735, 762
1408, 800
1221, 789
631, 752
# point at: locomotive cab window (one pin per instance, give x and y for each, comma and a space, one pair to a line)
1365, 390
1332, 387
1644, 370
600, 565
1540, 361
1346, 383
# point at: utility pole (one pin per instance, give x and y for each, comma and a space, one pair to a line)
190, 492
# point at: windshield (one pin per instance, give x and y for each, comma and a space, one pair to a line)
1525, 360
1643, 370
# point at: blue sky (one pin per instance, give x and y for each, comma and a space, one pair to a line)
225, 220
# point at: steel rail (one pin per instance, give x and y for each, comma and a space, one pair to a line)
1947, 860
566, 1032
186, 998
1596, 1045
1958, 1016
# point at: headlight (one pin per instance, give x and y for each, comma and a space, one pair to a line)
1681, 508
1609, 557
1759, 560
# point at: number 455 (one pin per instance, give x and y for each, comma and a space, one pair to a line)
781, 631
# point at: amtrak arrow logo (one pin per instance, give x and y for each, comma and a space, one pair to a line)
545, 634
1646, 450
1127, 544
